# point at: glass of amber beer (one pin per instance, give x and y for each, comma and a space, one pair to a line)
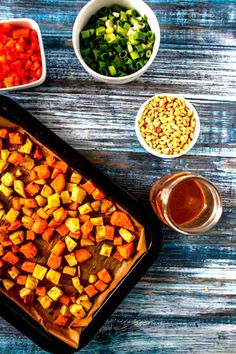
188, 203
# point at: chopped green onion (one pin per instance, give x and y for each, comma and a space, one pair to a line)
116, 42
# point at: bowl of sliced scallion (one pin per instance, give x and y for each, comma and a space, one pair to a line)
116, 41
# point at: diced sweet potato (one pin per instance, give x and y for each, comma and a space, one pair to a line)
69, 271
106, 205
59, 183
15, 226
110, 230
82, 255
26, 148
53, 276
16, 138
39, 226
55, 293
43, 171
75, 235
17, 237
54, 261
90, 290
62, 230
104, 276
38, 155
73, 206
71, 259
29, 250
70, 243
61, 165
117, 256
126, 251
106, 250
41, 291
28, 266
60, 215
55, 173
45, 301
59, 248
28, 203
31, 282
83, 218
16, 158
10, 258
77, 285
8, 284
21, 279
32, 189
50, 160
75, 178
97, 194
15, 249
121, 219
12, 215
89, 187
64, 300
30, 235
33, 176
100, 285
19, 188
13, 272
4, 133
61, 321
16, 203
87, 228
127, 235
53, 223
48, 233
39, 272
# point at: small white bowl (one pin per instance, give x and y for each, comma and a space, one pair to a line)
153, 151
91, 8
27, 22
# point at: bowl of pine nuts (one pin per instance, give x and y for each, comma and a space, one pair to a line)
167, 126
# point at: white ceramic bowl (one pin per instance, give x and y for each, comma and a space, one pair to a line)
27, 22
153, 151
91, 8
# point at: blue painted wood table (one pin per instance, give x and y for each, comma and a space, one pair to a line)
186, 303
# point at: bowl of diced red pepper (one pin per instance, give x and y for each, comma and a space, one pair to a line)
22, 57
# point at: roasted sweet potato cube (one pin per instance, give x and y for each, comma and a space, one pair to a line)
104, 276
98, 194
42, 213
127, 235
55, 293
48, 234
30, 235
29, 203
75, 310
38, 155
54, 261
78, 195
60, 215
70, 243
98, 221
93, 278
83, 218
59, 183
117, 256
39, 272
126, 251
16, 138
85, 242
17, 237
121, 219
46, 191
41, 291
27, 222
45, 301
62, 230
28, 163
61, 166
14, 272
54, 201
96, 205
27, 147
19, 188
6, 190
31, 282
69, 271
118, 240
16, 158
82, 255
70, 186
28, 266
4, 133
87, 228
16, 203
29, 250
53, 276
65, 197
32, 189
85, 209
73, 224
21, 279
12, 215
61, 321
89, 187
24, 292
110, 230
71, 259
65, 300
106, 250
41, 201
100, 285
77, 285
72, 214
15, 226
43, 171
106, 205
90, 291
64, 310
100, 233
59, 248
75, 235
39, 226
10, 258
75, 178
8, 284
8, 179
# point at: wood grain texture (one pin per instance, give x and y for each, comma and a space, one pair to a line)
186, 303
